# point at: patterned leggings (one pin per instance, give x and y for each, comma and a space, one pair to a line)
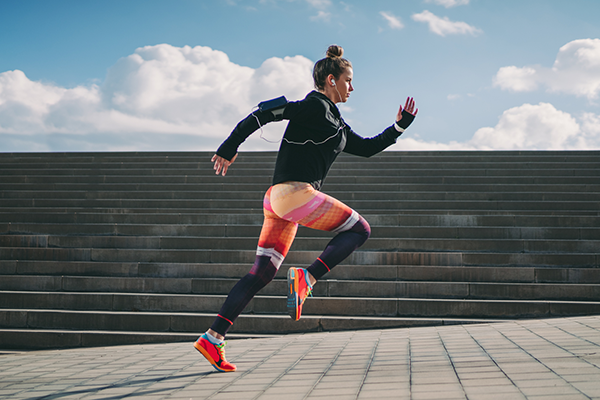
286, 206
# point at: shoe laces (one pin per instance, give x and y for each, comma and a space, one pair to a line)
221, 349
310, 288
308, 292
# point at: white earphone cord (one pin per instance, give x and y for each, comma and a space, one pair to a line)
336, 89
311, 141
262, 132
296, 143
330, 137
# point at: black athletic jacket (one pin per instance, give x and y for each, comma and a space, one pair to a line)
315, 135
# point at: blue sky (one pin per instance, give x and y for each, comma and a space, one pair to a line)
178, 75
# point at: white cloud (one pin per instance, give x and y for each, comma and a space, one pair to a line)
443, 26
170, 98
393, 21
534, 127
322, 16
516, 79
449, 3
590, 131
347, 7
322, 6
576, 71
527, 127
319, 4
158, 89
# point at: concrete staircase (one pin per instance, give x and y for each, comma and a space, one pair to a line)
115, 248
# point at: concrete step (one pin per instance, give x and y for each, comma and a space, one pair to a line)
265, 181
577, 260
227, 256
331, 306
192, 323
112, 216
341, 163
381, 205
523, 274
125, 158
255, 212
257, 174
558, 155
325, 288
253, 231
166, 187
493, 158
395, 219
68, 197
47, 339
247, 326
141, 243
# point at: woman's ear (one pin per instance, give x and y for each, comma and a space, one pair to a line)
331, 80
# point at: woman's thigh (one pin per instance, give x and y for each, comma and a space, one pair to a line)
300, 203
276, 235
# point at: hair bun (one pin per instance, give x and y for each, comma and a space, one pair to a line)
335, 51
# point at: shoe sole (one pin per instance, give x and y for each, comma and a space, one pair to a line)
292, 296
208, 357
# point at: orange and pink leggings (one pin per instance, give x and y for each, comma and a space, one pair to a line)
286, 206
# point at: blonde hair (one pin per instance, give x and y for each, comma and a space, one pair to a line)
333, 64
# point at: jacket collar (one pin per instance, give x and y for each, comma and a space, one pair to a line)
325, 100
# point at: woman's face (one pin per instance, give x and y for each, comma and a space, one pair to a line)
344, 86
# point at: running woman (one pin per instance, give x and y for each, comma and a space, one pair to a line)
316, 133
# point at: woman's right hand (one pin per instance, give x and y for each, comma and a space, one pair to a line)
409, 107
407, 114
222, 164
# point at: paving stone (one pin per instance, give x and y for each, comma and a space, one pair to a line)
559, 397
293, 367
457, 395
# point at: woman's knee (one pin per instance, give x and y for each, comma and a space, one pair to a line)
362, 227
260, 278
263, 270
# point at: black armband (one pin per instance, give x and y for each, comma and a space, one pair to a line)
276, 106
268, 111
407, 119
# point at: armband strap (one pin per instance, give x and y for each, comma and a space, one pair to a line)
276, 106
272, 104
278, 113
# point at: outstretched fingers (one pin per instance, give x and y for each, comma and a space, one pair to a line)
221, 164
409, 107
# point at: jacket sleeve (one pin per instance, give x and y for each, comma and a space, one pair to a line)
367, 147
250, 124
243, 129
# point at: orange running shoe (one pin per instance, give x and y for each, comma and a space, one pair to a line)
299, 289
214, 353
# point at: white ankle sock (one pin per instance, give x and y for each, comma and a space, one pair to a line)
212, 339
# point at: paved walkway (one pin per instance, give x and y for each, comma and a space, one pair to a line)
535, 359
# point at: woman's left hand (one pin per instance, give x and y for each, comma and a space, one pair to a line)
222, 164
409, 107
